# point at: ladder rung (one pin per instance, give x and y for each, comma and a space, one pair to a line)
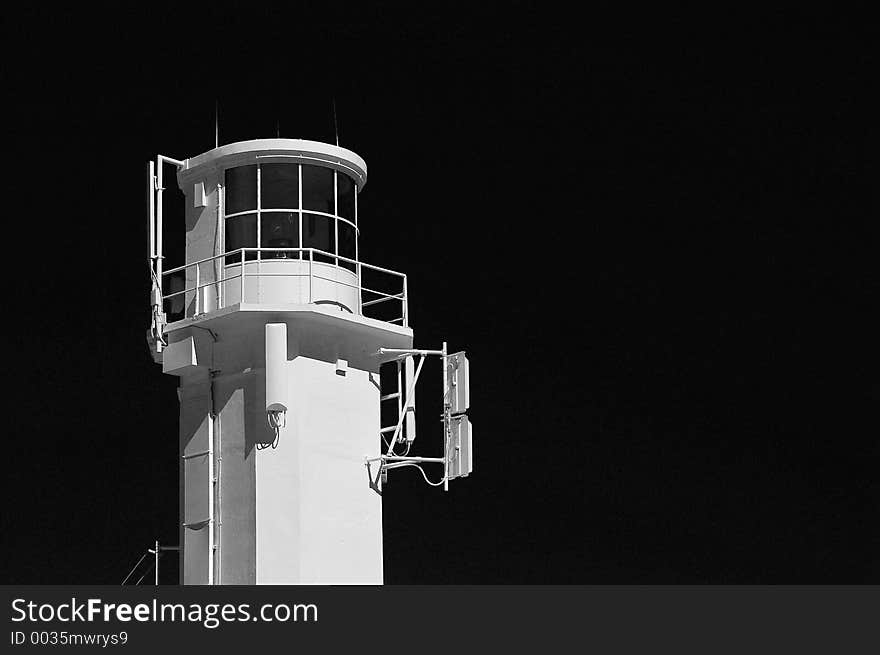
390, 428
389, 396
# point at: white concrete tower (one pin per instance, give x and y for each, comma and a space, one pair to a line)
274, 327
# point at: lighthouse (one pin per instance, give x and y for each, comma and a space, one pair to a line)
278, 333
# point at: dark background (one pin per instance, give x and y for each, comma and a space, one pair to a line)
648, 231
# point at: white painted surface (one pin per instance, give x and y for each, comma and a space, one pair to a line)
287, 281
317, 521
195, 481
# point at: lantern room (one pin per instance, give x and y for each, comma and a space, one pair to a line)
273, 222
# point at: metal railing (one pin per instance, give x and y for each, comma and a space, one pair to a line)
365, 296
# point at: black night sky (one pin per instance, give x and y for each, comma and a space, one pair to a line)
648, 232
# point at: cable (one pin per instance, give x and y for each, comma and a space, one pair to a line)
157, 309
276, 420
150, 568
153, 328
156, 278
424, 475
135, 568
391, 451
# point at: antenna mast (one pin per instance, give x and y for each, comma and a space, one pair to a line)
335, 125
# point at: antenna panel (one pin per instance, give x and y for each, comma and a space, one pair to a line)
459, 382
276, 367
461, 455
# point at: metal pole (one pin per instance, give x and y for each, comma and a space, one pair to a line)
299, 212
357, 253
259, 236
336, 220
405, 304
409, 351
399, 389
159, 220
220, 270
151, 188
360, 285
157, 562
445, 422
411, 459
211, 503
218, 539
160, 159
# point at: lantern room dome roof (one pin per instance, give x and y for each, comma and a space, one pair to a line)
300, 151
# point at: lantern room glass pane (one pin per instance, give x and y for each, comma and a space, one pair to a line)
317, 191
279, 230
241, 189
347, 238
318, 233
241, 232
280, 186
345, 196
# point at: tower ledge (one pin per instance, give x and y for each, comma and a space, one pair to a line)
325, 333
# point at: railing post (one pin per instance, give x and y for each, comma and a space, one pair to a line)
221, 283
405, 304
311, 259
198, 291
360, 290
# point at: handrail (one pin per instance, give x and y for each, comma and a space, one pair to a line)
304, 255
398, 296
385, 296
312, 250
